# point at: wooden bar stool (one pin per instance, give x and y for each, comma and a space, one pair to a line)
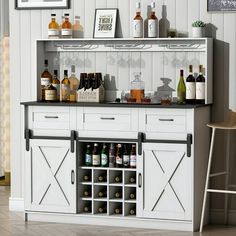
229, 124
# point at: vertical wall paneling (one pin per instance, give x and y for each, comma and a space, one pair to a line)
171, 12
131, 15
193, 14
89, 19
182, 17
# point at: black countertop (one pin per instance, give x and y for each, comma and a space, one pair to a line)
111, 104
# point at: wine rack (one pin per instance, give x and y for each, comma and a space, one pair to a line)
110, 191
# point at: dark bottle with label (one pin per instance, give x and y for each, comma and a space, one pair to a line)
200, 87
104, 156
112, 157
82, 80
88, 156
126, 157
96, 156
133, 157
190, 87
119, 157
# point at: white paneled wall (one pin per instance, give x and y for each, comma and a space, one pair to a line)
29, 25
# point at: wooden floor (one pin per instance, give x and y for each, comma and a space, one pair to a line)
12, 223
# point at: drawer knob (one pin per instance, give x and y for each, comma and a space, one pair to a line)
51, 117
107, 118
166, 119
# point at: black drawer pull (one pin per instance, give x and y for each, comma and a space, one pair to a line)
166, 119
107, 118
140, 180
51, 117
72, 177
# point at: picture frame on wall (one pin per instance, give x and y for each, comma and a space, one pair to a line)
105, 23
41, 4
221, 5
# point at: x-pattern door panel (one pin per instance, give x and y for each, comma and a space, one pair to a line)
167, 182
49, 185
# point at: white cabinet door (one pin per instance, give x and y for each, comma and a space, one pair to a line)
50, 181
165, 182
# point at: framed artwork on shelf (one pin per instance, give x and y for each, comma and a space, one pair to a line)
221, 5
41, 4
105, 23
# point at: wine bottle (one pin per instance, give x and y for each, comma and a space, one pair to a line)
87, 193
118, 179
56, 84
102, 178
118, 194
74, 84
190, 87
102, 209
104, 156
119, 157
133, 157
200, 87
132, 196
118, 210
87, 208
102, 193
132, 180
112, 158
87, 178
132, 211
96, 156
126, 157
46, 79
88, 156
138, 22
181, 89
65, 87
152, 22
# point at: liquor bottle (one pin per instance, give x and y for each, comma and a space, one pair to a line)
118, 179
181, 89
66, 28
118, 194
132, 211
50, 93
65, 88
132, 180
62, 21
119, 157
88, 156
118, 210
104, 156
89, 81
87, 208
102, 209
87, 193
133, 157
200, 87
152, 23
98, 80
78, 31
190, 87
112, 158
46, 80
96, 156
126, 157
56, 84
53, 28
74, 84
138, 22
102, 178
87, 178
102, 193
132, 196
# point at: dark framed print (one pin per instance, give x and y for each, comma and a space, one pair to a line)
41, 4
221, 5
105, 23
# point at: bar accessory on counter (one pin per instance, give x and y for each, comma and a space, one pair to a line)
137, 87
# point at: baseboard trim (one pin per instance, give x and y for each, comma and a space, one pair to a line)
217, 216
16, 204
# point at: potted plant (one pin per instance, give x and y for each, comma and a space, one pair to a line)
198, 29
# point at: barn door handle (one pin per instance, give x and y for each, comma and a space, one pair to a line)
72, 141
72, 177
140, 180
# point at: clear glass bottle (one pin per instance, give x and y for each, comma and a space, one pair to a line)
137, 88
74, 84
66, 28
152, 22
181, 89
78, 30
138, 22
46, 79
65, 88
53, 28
56, 84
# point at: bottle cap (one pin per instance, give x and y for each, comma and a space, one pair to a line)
46, 62
181, 72
55, 72
73, 69
190, 68
138, 4
66, 14
65, 72
53, 14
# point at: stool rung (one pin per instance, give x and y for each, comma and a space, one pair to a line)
220, 191
218, 174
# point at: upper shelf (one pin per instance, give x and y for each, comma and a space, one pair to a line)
128, 44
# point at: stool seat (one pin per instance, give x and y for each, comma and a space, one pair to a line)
229, 123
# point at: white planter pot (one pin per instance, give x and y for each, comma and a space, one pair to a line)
198, 32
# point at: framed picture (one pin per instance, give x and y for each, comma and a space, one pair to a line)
105, 23
221, 5
41, 4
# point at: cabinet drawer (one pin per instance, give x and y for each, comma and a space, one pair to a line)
108, 119
166, 121
55, 119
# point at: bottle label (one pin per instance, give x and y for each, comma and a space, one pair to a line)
53, 32
137, 28
96, 160
88, 159
126, 160
152, 28
190, 90
200, 90
118, 160
45, 81
104, 158
50, 95
133, 160
66, 32
57, 87
65, 87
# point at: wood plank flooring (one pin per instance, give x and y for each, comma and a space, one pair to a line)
12, 223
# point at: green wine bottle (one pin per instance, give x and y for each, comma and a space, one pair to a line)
181, 89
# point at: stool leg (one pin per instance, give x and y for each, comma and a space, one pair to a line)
207, 179
227, 176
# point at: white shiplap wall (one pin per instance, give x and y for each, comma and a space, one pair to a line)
27, 26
